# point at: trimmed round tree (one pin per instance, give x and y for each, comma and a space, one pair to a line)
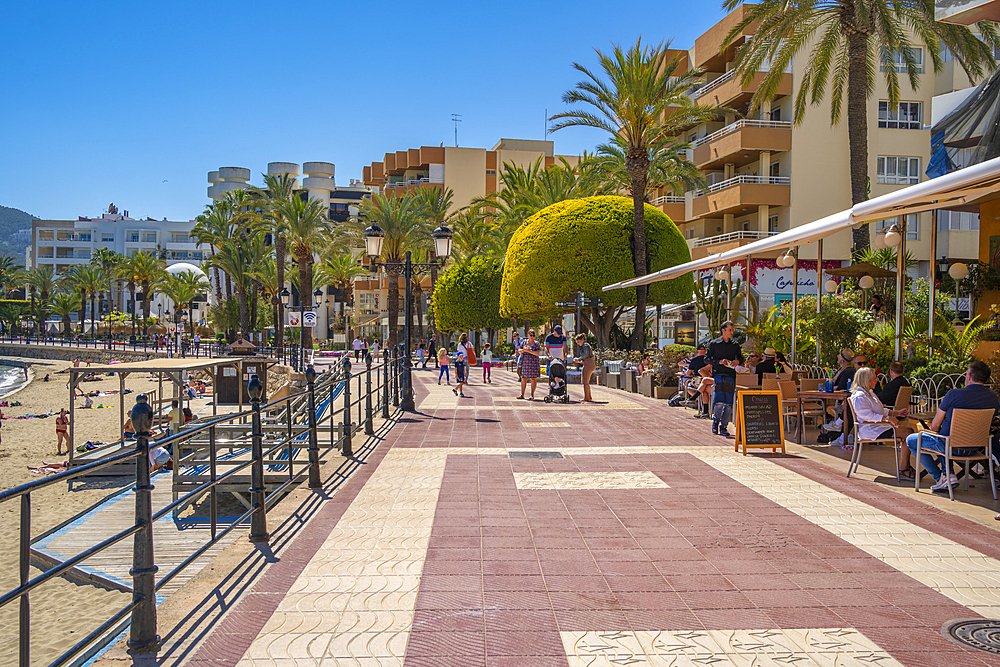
584, 244
467, 296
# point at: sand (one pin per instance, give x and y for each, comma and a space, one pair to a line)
61, 612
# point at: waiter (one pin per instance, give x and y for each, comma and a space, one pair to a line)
724, 354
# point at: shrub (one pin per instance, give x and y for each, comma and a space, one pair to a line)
666, 361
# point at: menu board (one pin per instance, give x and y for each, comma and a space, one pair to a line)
759, 421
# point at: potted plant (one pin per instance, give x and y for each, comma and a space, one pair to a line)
666, 361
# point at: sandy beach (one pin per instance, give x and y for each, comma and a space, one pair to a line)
61, 612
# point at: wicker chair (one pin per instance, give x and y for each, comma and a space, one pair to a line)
859, 442
970, 430
811, 384
770, 384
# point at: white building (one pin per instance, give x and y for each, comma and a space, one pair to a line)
319, 182
65, 243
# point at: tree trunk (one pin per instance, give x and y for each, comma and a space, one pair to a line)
253, 306
244, 311
280, 248
600, 322
82, 313
305, 293
392, 306
145, 307
229, 286
857, 131
637, 164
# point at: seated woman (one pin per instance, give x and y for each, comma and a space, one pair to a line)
188, 415
869, 408
129, 429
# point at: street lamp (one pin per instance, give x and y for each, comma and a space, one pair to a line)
285, 297
374, 236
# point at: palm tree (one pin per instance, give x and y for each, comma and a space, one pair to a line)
109, 261
277, 188
265, 274
238, 258
212, 229
475, 234
339, 269
12, 276
182, 288
65, 304
73, 279
308, 231
850, 40
43, 280
405, 227
643, 101
147, 271
667, 168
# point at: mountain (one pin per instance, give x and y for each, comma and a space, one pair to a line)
15, 232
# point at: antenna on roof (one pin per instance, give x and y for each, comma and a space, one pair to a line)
456, 118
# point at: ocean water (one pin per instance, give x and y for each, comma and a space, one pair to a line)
11, 378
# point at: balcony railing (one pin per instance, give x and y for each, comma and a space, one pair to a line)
746, 180
667, 199
413, 181
739, 125
733, 236
712, 85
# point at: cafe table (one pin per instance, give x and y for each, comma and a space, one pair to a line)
825, 397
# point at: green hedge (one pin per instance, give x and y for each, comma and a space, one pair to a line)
467, 296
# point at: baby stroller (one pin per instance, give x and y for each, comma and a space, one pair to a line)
557, 382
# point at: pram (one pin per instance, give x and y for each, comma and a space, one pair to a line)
557, 382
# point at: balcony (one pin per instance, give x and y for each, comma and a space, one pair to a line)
740, 193
741, 143
728, 91
672, 206
725, 242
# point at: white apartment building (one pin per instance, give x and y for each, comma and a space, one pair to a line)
319, 183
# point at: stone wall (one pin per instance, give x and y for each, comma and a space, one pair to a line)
96, 356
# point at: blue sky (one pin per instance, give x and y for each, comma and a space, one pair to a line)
134, 102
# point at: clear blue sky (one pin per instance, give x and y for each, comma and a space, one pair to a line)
134, 102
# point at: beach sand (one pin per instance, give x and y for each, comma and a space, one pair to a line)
61, 611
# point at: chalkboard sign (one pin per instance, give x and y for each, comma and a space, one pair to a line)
759, 421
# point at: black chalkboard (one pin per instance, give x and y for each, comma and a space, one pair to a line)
760, 421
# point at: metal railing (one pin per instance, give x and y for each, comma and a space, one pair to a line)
743, 235
712, 85
739, 125
667, 199
745, 179
142, 626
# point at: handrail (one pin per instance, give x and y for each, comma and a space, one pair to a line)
732, 236
739, 125
298, 409
667, 199
715, 83
745, 179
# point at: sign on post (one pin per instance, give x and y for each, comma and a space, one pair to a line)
309, 318
759, 423
306, 318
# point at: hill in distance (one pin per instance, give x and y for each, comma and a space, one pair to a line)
15, 232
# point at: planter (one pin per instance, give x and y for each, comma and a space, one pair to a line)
664, 392
613, 380
628, 380
645, 383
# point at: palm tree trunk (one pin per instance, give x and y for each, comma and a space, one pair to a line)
244, 312
82, 313
637, 164
305, 293
253, 306
280, 248
857, 130
392, 308
229, 287
145, 307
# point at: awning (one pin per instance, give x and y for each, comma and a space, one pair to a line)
960, 188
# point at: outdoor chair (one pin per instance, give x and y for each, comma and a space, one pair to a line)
969, 441
769, 376
811, 384
746, 380
903, 400
770, 384
789, 401
859, 443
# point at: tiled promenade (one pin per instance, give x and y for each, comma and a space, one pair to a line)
648, 543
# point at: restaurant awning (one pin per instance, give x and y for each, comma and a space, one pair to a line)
961, 188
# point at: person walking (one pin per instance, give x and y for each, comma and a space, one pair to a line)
357, 345
586, 357
421, 356
62, 431
724, 354
530, 368
555, 343
431, 352
374, 350
442, 361
470, 354
461, 366
487, 358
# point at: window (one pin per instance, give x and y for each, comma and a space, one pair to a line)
491, 172
905, 116
776, 114
690, 233
45, 235
898, 170
772, 223
918, 59
775, 170
912, 226
366, 301
958, 221
149, 237
107, 238
133, 238
746, 225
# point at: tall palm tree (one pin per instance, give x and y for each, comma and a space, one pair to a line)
212, 228
643, 99
148, 271
475, 234
667, 168
309, 231
851, 40
277, 188
339, 269
405, 227
43, 281
64, 304
12, 276
238, 258
182, 288
73, 280
109, 261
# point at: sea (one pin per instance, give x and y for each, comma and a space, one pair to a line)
11, 379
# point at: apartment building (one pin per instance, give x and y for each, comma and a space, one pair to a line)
467, 172
767, 175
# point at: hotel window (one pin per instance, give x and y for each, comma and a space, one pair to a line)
912, 226
107, 238
893, 170
918, 59
491, 172
904, 116
772, 223
958, 221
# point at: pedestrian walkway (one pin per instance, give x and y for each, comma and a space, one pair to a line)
492, 531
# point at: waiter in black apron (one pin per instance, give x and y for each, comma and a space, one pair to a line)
724, 354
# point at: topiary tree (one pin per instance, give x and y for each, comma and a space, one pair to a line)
467, 296
584, 244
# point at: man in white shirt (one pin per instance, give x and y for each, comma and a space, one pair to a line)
358, 346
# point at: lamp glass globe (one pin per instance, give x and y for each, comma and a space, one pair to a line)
958, 271
832, 286
879, 240
892, 238
866, 282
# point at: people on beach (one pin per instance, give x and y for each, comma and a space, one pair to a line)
62, 431
176, 418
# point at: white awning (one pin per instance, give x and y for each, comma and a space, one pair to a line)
960, 188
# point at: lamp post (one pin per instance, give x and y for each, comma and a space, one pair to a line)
285, 297
374, 236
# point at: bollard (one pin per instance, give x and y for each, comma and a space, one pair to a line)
347, 448
385, 384
314, 482
395, 377
369, 429
258, 520
142, 630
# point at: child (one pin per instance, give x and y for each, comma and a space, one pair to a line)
421, 356
487, 356
443, 364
